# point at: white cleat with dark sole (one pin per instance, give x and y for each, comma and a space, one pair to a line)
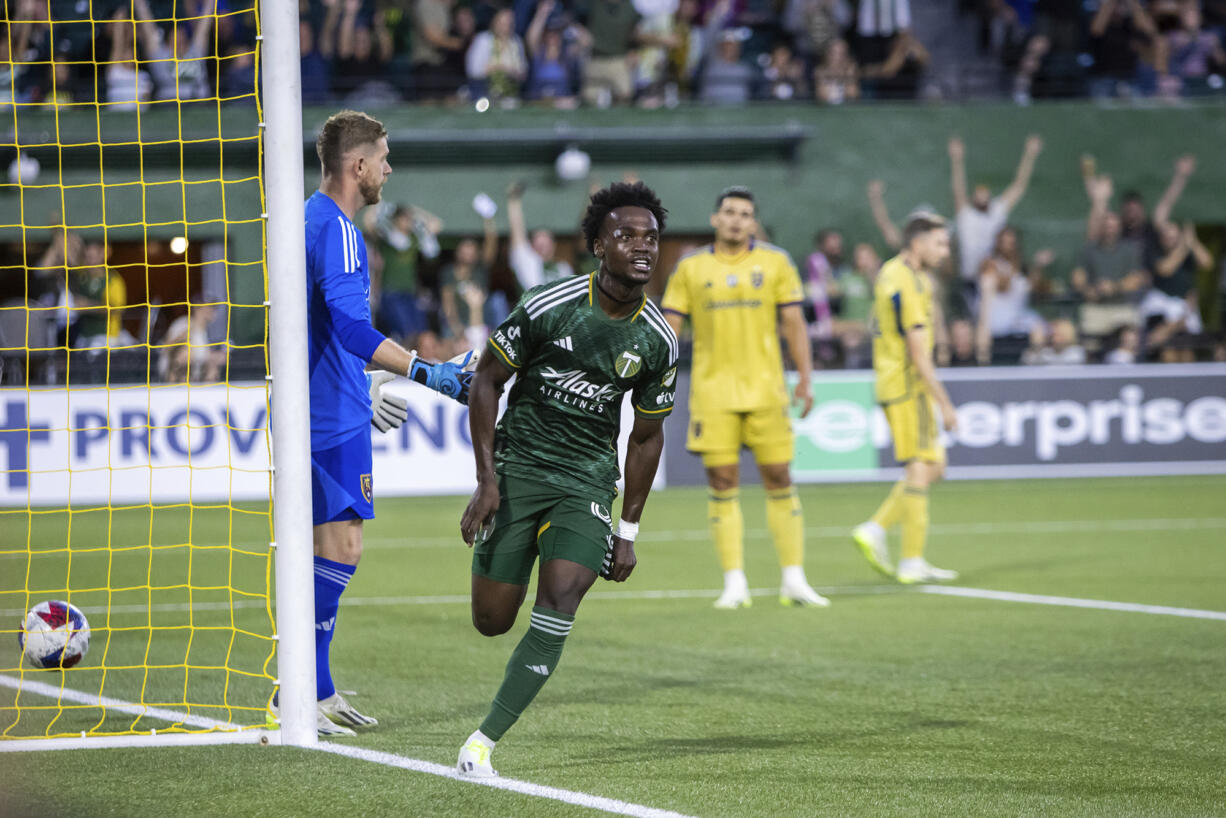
474, 760
342, 713
324, 726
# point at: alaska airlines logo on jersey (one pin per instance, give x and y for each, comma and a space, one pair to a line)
572, 387
602, 513
629, 364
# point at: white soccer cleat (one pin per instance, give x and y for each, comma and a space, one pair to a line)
733, 598
341, 712
801, 595
324, 726
474, 758
870, 539
917, 569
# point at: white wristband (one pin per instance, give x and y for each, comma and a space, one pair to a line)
627, 531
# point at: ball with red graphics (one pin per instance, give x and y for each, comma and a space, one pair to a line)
54, 634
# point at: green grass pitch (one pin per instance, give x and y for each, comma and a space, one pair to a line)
891, 702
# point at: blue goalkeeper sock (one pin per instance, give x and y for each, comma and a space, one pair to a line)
331, 579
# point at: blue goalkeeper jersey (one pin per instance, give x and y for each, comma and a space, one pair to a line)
339, 331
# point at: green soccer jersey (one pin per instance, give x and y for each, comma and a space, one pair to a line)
572, 365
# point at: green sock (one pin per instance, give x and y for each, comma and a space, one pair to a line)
535, 658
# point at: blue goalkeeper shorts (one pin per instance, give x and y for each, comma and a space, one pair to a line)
341, 484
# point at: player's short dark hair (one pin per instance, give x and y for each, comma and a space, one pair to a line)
1131, 196
619, 194
735, 192
920, 223
344, 131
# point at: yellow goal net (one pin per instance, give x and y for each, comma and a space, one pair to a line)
135, 460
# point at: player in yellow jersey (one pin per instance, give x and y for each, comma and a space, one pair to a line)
738, 293
908, 390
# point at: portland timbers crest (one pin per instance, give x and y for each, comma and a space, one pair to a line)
629, 364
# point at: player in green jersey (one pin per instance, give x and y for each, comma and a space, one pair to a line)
546, 475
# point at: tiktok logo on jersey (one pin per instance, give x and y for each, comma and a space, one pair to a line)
573, 388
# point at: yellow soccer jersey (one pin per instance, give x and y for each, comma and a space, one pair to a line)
732, 303
902, 300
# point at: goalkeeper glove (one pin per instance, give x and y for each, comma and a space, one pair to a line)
387, 411
450, 378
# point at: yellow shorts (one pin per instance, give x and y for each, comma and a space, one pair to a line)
718, 436
913, 424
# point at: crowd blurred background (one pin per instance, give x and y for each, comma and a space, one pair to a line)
1131, 295
566, 53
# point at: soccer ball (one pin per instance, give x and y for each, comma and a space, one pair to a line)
54, 635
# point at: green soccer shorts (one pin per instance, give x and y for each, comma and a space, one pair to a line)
538, 519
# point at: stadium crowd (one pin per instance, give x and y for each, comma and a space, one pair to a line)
563, 53
1134, 293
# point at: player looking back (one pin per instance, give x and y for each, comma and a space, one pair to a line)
546, 475
345, 402
908, 390
738, 293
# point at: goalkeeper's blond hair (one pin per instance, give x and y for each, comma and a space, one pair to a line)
344, 131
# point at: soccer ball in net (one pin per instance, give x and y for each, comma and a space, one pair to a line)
54, 635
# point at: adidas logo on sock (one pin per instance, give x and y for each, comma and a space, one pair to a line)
565, 343
539, 669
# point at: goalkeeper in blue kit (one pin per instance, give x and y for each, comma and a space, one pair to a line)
345, 400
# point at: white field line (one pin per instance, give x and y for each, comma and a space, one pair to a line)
582, 799
832, 532
1071, 602
455, 599
27, 685
711, 593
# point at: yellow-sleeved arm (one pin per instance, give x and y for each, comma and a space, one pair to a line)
677, 293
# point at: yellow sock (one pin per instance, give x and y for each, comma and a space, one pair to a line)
786, 522
727, 528
914, 521
891, 508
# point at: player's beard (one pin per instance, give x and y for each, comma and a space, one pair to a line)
371, 192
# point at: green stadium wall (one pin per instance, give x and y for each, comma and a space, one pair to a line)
809, 166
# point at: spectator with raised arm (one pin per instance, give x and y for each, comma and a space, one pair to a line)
1126, 49
1007, 321
1111, 269
533, 255
1171, 306
898, 75
399, 243
980, 216
496, 62
464, 284
881, 215
128, 86
553, 62
1136, 226
364, 52
179, 62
